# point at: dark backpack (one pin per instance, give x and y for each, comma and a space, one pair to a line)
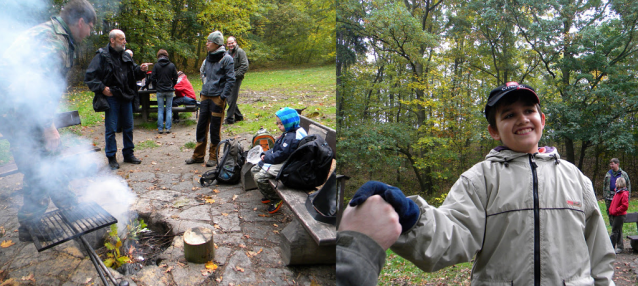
308, 166
229, 162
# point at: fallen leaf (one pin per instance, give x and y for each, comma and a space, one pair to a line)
260, 250
196, 171
275, 231
216, 226
175, 216
181, 264
275, 225
237, 268
168, 269
88, 280
224, 214
242, 246
210, 201
246, 236
219, 279
255, 209
28, 278
216, 191
251, 253
6, 243
153, 163
263, 215
215, 245
210, 265
234, 197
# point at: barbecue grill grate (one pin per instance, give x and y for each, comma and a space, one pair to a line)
62, 225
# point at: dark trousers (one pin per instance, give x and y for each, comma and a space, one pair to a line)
616, 231
120, 113
210, 118
46, 175
611, 219
233, 109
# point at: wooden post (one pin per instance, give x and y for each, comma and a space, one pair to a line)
198, 245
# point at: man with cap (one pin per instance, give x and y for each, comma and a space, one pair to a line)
525, 216
220, 78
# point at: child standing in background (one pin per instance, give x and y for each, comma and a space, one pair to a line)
618, 211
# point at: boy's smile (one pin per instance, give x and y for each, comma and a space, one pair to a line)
519, 126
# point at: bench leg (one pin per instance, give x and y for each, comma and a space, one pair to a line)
298, 247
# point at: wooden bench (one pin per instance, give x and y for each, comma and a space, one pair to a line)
633, 239
146, 102
62, 120
306, 240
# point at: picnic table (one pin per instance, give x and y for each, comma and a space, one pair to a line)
150, 106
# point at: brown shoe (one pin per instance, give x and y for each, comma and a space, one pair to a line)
193, 161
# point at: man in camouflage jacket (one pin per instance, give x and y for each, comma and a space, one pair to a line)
32, 81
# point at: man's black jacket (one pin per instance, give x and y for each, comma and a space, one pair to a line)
164, 75
118, 71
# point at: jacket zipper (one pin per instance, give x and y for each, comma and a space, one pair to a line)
537, 231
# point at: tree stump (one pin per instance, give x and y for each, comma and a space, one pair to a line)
198, 245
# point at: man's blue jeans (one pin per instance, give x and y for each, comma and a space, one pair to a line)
161, 98
120, 110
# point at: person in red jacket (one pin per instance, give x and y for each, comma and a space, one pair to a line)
184, 93
618, 211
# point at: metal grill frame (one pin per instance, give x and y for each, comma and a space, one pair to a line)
65, 224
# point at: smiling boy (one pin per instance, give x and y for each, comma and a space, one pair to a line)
527, 217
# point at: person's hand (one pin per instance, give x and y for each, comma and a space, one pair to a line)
406, 208
374, 218
262, 157
144, 66
107, 91
51, 138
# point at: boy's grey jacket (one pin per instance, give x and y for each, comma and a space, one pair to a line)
490, 211
607, 193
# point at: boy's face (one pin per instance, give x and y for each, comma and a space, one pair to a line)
280, 125
519, 126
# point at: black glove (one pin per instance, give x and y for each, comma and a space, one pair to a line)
406, 208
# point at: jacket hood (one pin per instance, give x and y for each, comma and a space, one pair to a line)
163, 61
503, 154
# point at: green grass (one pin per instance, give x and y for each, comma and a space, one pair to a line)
148, 144
628, 228
314, 79
400, 271
5, 155
82, 101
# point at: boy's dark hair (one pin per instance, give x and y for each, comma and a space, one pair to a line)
614, 160
527, 100
162, 53
76, 9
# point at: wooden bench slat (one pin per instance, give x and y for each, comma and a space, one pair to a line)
631, 217
322, 233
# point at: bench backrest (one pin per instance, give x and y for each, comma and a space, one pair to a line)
312, 127
632, 217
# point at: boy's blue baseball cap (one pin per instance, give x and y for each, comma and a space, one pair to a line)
511, 87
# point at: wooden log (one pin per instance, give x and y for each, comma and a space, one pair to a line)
198, 245
298, 247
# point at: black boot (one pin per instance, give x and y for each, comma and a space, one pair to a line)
113, 163
132, 159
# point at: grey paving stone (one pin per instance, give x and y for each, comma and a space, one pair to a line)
226, 193
196, 213
185, 187
153, 275
141, 187
217, 208
167, 179
53, 266
141, 176
229, 239
46, 280
232, 271
221, 255
259, 215
180, 226
28, 255
260, 232
277, 276
161, 195
270, 256
229, 223
143, 206
251, 196
188, 274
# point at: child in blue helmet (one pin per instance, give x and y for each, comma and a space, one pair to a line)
273, 159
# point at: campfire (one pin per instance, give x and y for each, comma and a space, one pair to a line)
129, 250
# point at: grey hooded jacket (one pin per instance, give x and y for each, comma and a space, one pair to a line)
527, 218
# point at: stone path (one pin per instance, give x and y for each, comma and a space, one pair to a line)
167, 190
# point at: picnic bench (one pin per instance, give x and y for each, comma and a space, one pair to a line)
633, 239
306, 240
62, 120
146, 102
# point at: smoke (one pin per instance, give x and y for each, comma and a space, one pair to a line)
32, 83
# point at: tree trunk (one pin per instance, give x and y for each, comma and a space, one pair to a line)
569, 149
